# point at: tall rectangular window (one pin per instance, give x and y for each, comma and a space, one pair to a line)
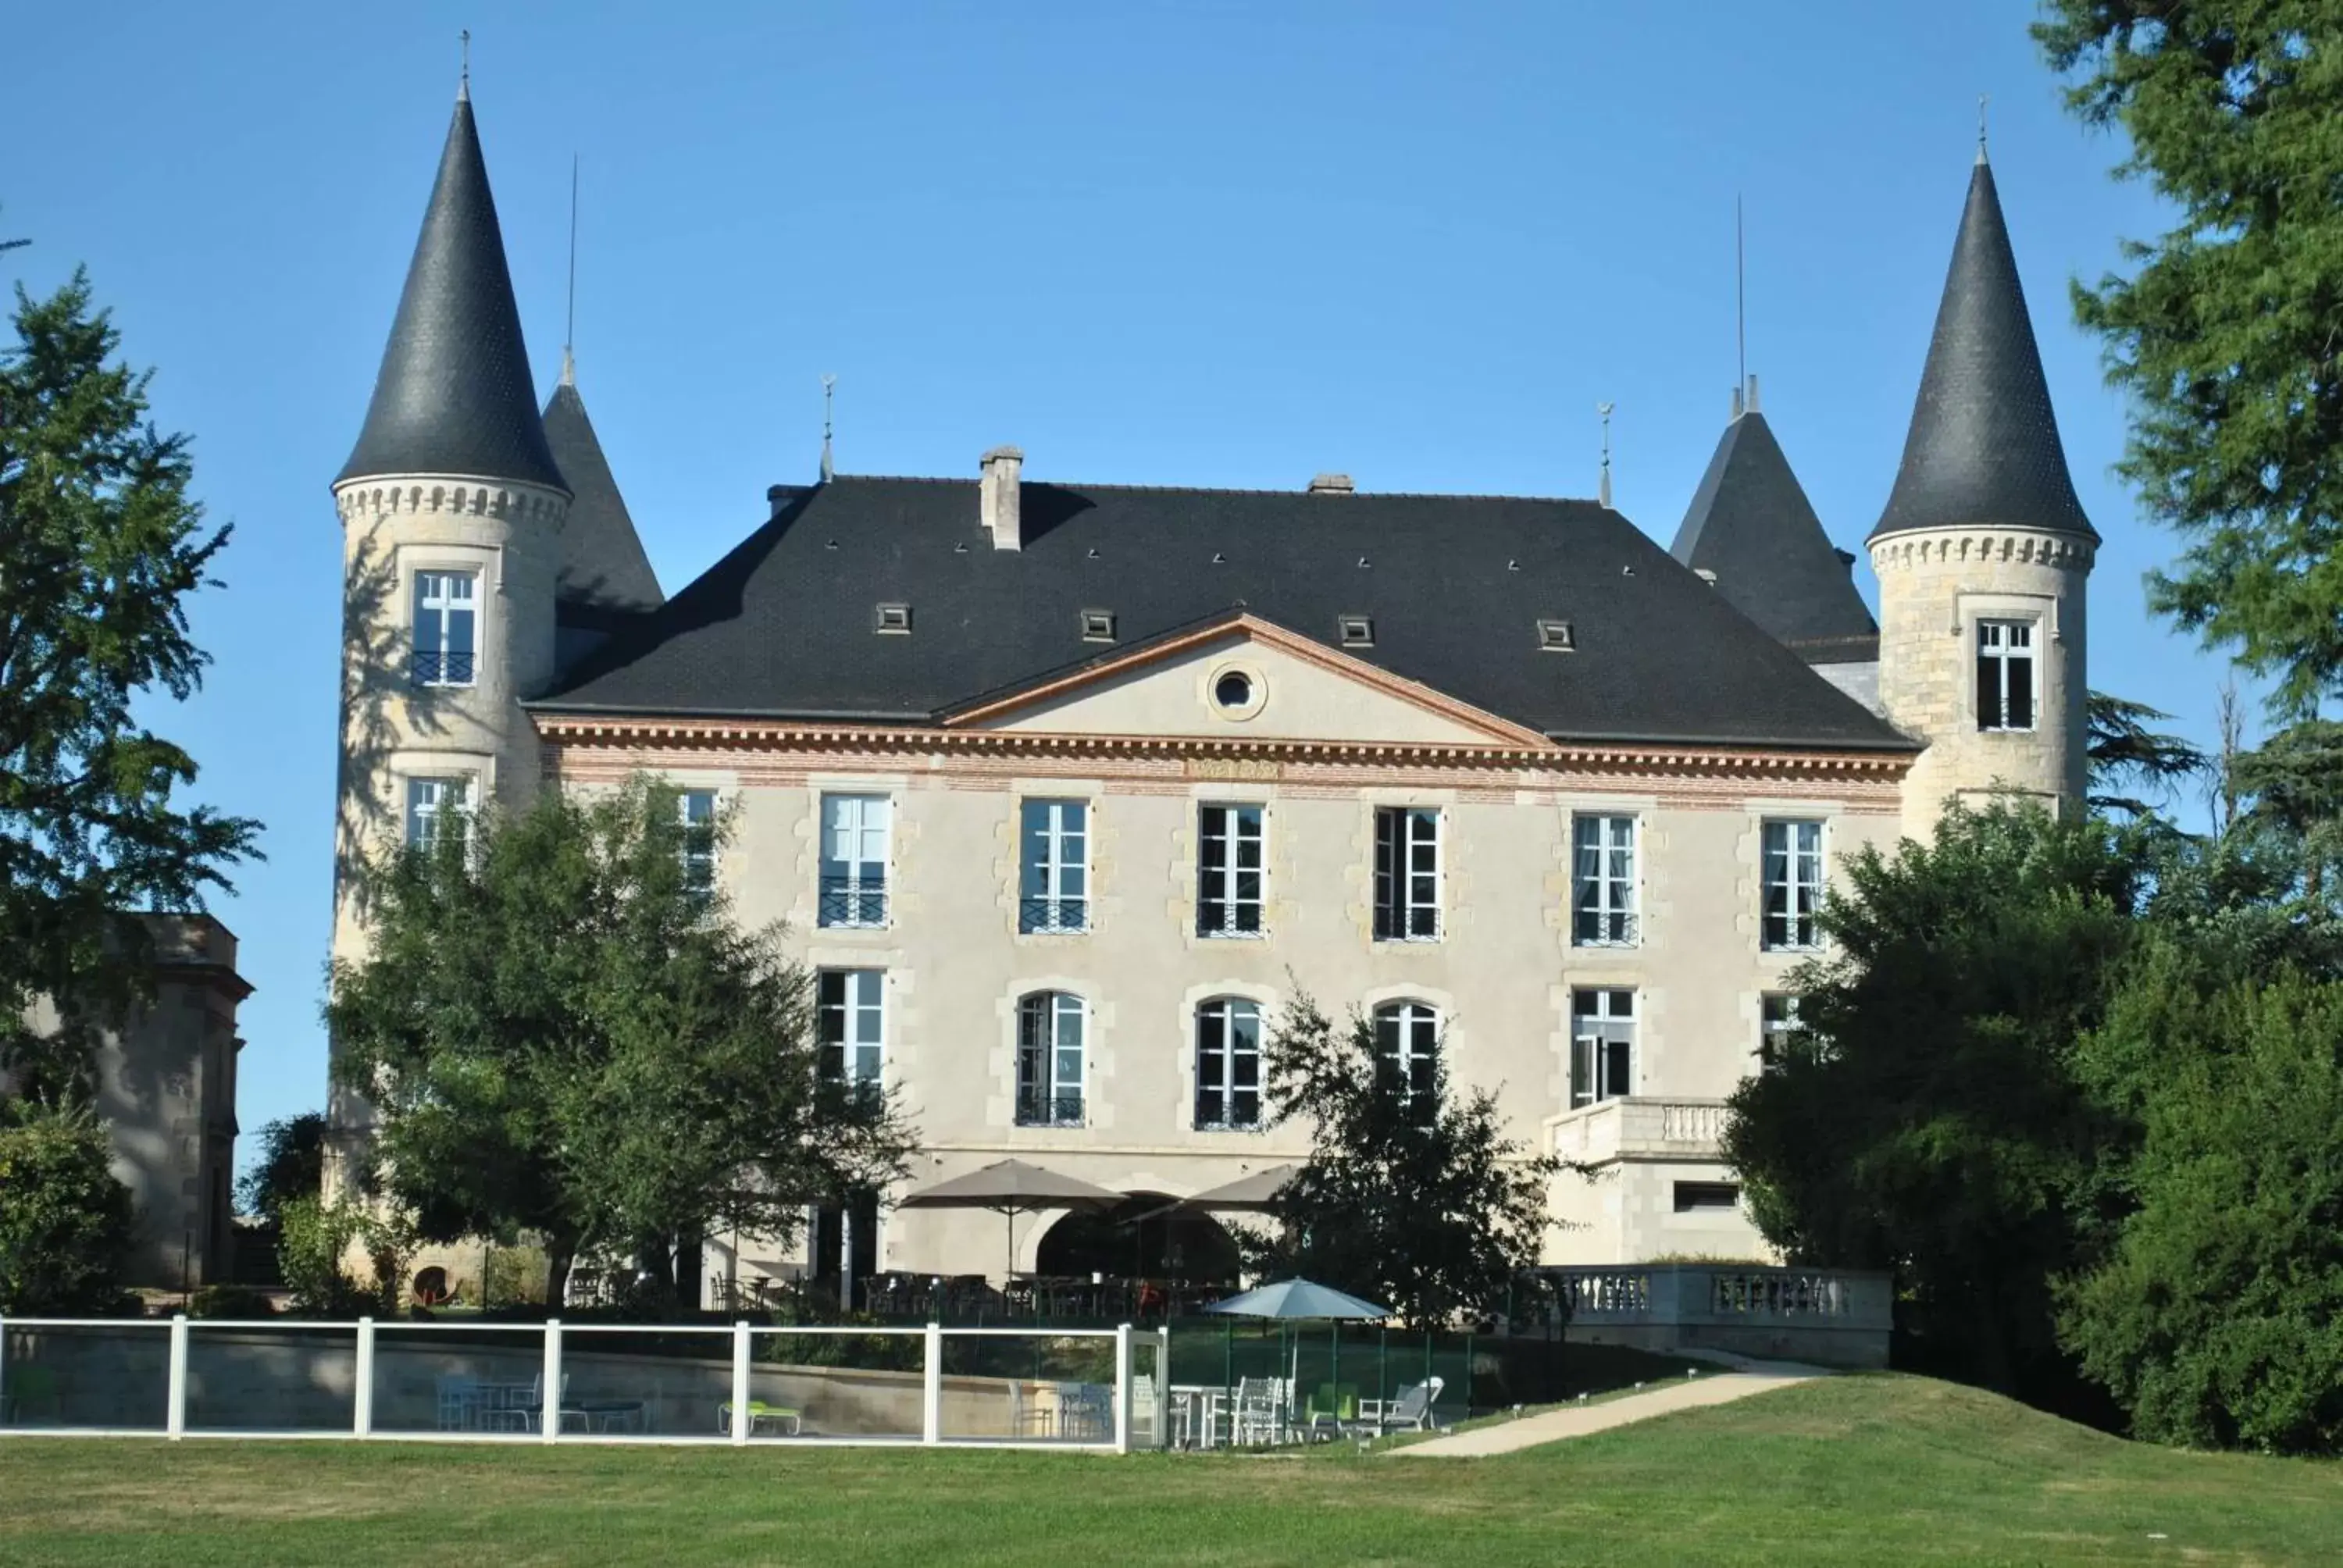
1228, 1064
1053, 881
1602, 879
1407, 874
445, 628
1050, 1030
1229, 870
1602, 1045
1793, 884
1407, 1049
434, 806
697, 810
1778, 1025
2004, 674
854, 837
850, 1022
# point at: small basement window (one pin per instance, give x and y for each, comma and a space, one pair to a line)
1708, 1197
1358, 631
1554, 636
895, 619
1098, 626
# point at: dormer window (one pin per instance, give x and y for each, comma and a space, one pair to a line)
1098, 626
1555, 637
1358, 631
446, 628
894, 619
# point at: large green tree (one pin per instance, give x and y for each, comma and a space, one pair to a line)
64, 1219
1412, 1195
2223, 333
1927, 1119
100, 546
560, 1034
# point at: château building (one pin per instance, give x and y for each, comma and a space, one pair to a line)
1063, 788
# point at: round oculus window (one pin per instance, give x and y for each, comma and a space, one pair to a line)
1233, 690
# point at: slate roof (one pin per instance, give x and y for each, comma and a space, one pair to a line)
602, 559
454, 395
1750, 523
784, 626
1984, 443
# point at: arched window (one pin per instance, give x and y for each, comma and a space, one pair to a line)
1407, 1045
1228, 1063
1051, 1026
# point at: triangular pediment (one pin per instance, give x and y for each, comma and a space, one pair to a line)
1180, 684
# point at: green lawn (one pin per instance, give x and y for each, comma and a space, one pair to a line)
1872, 1469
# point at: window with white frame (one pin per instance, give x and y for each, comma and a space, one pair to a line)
850, 1024
1054, 877
435, 806
1602, 879
1407, 1049
2004, 674
854, 842
1602, 1045
1229, 870
696, 808
1050, 1027
1793, 884
1407, 874
446, 628
1228, 1064
1778, 1025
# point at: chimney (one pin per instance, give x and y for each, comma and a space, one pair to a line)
998, 493
1332, 485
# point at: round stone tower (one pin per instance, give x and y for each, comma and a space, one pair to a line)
1984, 553
452, 508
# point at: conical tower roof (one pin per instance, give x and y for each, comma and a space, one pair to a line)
454, 395
1983, 444
1752, 529
602, 559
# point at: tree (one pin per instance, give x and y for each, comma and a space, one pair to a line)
2216, 1316
292, 1165
1412, 1196
2224, 335
2124, 753
2292, 786
99, 546
1927, 1118
64, 1219
561, 1036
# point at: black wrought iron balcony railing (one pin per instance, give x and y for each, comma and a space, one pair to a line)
1047, 916
1062, 1109
853, 902
442, 668
1222, 918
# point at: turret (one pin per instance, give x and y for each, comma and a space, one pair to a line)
452, 510
1984, 552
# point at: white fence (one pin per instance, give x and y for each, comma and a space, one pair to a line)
1094, 1389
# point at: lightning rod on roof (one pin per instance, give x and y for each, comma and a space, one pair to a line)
1602, 494
1740, 310
569, 324
828, 469
464, 81
1981, 103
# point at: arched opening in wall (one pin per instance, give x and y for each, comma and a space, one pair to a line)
1142, 1237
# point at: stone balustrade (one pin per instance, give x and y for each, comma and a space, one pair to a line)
1830, 1317
1639, 1126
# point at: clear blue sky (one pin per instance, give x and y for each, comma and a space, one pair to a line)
1206, 243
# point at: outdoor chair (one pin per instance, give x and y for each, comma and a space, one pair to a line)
1257, 1411
1085, 1410
764, 1419
1325, 1410
1411, 1412
530, 1416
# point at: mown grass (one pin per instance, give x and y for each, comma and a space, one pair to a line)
1871, 1470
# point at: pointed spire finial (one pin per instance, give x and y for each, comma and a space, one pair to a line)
569, 323
1981, 103
828, 469
1603, 495
463, 82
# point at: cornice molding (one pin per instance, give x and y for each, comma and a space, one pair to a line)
462, 494
1981, 544
605, 731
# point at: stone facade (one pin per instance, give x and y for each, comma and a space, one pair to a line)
1935, 586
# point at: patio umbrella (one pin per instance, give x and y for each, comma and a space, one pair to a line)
1255, 1193
1292, 1299
1011, 1187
